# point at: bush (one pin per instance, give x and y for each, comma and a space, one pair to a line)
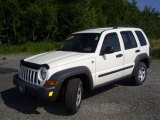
155, 43
156, 53
30, 47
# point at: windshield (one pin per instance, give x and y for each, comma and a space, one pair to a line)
84, 42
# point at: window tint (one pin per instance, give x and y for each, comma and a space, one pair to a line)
82, 42
129, 40
141, 38
111, 40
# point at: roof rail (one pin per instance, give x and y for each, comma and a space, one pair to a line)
132, 26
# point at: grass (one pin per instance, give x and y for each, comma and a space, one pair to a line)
156, 53
30, 47
155, 45
44, 46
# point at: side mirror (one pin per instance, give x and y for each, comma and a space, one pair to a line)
107, 50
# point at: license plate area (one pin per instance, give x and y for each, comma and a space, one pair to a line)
21, 89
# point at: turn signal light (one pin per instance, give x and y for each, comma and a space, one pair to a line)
51, 83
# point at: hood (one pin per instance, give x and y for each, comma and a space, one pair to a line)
57, 58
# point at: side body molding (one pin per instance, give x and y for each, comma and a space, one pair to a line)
76, 71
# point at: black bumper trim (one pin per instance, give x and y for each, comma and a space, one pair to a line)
41, 92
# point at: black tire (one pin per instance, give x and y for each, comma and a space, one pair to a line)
140, 74
74, 92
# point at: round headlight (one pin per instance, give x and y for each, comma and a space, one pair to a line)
43, 73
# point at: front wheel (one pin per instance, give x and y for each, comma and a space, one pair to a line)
140, 74
73, 96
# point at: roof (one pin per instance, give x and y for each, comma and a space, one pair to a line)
96, 30
99, 30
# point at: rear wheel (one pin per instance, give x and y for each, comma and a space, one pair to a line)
73, 95
140, 74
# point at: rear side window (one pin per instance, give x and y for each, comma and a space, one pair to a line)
141, 38
112, 40
129, 40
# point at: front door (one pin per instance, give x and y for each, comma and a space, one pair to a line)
109, 66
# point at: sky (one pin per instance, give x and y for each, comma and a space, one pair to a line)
153, 3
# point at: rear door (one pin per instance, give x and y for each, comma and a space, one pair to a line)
143, 41
131, 50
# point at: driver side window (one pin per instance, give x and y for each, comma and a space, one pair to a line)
111, 40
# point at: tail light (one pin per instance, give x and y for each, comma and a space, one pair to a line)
150, 51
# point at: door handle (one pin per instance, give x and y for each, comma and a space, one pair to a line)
137, 51
119, 55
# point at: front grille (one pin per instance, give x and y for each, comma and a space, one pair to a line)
29, 75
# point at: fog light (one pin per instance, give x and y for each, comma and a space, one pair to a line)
50, 94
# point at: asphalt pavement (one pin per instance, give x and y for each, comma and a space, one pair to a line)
119, 101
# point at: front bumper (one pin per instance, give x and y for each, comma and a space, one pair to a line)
41, 92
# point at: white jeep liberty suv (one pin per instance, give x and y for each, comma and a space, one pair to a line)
87, 59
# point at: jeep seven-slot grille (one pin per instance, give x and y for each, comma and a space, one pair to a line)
29, 75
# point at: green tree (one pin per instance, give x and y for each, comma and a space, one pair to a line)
24, 20
40, 20
114, 10
150, 22
10, 17
75, 16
